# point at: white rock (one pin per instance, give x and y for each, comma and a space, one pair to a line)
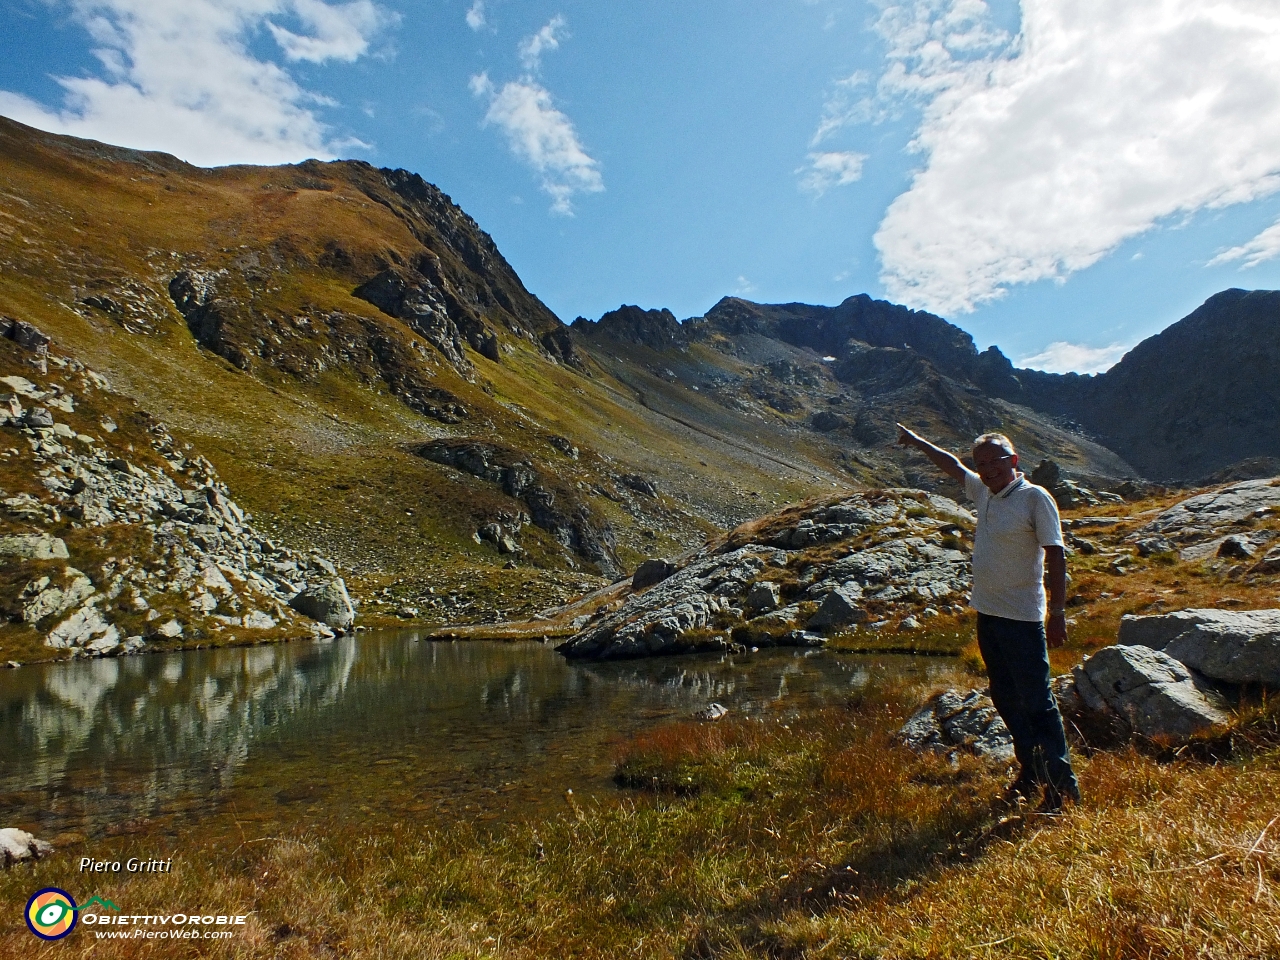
1237, 646
83, 628
257, 620
17, 845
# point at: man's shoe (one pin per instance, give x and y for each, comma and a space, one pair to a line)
1054, 797
1022, 790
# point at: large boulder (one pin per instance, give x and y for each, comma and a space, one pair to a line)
1146, 691
17, 846
763, 596
326, 602
840, 608
1235, 646
651, 571
953, 720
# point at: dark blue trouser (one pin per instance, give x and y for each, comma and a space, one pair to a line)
1017, 660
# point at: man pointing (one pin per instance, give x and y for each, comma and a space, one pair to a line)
1018, 538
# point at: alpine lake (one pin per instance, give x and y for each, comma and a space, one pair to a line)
362, 732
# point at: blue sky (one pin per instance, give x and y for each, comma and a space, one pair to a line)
1059, 178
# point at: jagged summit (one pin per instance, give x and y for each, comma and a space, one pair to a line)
656, 329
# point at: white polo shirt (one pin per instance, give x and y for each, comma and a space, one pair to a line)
1014, 527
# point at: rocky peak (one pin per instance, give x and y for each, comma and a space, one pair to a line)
656, 329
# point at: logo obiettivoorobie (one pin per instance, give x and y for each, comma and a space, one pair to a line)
51, 913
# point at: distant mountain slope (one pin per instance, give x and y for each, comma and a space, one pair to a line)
1194, 399
1199, 396
313, 329
836, 377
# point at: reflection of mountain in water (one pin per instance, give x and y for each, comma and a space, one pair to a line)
751, 680
93, 742
172, 724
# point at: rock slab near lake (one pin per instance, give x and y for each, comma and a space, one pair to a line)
887, 555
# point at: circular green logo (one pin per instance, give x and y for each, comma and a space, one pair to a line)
51, 913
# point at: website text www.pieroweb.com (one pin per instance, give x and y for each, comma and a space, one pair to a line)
171, 926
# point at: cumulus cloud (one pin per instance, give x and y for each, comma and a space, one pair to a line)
178, 76
548, 38
1063, 357
828, 169
475, 15
542, 137
1265, 246
1043, 152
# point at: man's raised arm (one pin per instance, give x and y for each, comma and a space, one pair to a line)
941, 459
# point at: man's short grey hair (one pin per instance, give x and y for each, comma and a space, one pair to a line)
995, 440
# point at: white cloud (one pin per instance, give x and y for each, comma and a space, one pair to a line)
337, 32
178, 76
831, 169
844, 106
1042, 153
548, 38
542, 137
1265, 246
1063, 357
744, 288
475, 16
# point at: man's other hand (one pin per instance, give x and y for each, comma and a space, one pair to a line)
1056, 630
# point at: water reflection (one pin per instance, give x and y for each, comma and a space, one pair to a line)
379, 726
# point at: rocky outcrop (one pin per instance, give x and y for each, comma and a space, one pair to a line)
195, 565
551, 506
952, 721
214, 319
791, 581
655, 329
1233, 646
25, 335
1200, 525
418, 302
679, 614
